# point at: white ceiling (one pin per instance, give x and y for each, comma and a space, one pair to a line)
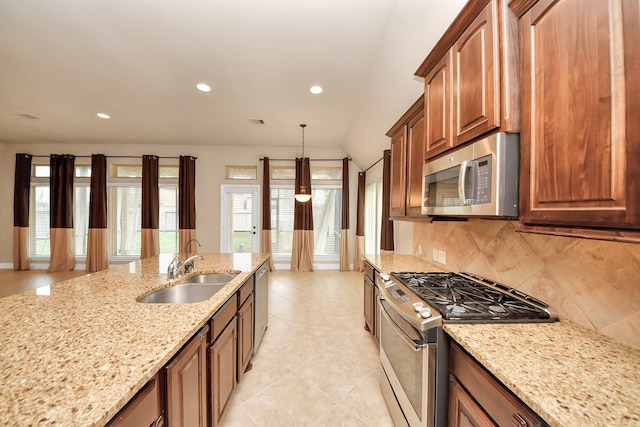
139, 61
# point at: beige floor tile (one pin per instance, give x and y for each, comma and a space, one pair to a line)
316, 366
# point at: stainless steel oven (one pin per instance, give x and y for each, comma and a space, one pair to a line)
414, 350
412, 384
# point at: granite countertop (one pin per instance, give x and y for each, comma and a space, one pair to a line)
76, 352
568, 374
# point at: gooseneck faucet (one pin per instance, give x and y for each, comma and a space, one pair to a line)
177, 269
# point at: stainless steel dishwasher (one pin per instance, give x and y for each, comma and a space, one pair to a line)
261, 304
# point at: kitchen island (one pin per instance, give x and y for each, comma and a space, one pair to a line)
568, 374
76, 352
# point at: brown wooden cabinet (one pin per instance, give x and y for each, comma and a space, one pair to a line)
398, 172
580, 139
476, 78
145, 409
463, 410
407, 159
223, 358
369, 298
476, 398
186, 378
471, 78
437, 108
245, 335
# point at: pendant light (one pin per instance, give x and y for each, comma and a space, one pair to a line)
301, 192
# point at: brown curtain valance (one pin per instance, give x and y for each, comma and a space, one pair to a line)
150, 193
303, 212
150, 239
62, 170
98, 193
21, 188
362, 179
187, 193
386, 229
61, 190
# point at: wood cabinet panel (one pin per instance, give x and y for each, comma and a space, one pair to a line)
437, 112
577, 160
415, 162
463, 410
369, 301
495, 400
245, 335
476, 77
223, 362
187, 384
145, 409
398, 173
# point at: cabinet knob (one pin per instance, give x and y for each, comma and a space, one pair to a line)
518, 421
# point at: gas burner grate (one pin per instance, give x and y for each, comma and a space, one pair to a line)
467, 299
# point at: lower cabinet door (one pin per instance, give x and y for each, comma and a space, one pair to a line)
223, 362
144, 410
463, 410
187, 384
245, 335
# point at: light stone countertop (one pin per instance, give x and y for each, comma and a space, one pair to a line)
568, 374
77, 355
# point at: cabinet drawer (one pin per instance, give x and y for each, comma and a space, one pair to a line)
223, 316
494, 398
245, 291
143, 410
369, 271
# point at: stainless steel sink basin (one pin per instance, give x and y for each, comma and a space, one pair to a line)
212, 278
183, 293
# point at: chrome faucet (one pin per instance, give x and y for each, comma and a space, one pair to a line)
177, 269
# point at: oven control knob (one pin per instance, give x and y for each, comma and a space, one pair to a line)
417, 306
385, 277
425, 313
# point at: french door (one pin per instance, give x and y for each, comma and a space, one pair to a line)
240, 219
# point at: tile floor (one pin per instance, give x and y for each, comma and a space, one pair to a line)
316, 366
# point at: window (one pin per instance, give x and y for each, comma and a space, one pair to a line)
281, 221
39, 215
125, 201
241, 172
327, 221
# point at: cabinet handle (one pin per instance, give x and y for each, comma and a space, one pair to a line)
159, 422
518, 421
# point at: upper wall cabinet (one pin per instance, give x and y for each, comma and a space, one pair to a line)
471, 78
407, 158
580, 139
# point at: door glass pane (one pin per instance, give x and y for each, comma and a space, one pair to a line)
241, 226
168, 220
39, 244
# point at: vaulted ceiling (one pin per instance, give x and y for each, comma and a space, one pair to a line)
64, 61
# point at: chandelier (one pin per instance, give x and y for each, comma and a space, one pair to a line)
302, 194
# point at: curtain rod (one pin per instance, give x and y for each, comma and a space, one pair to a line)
379, 160
315, 160
112, 157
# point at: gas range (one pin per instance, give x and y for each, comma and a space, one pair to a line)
432, 298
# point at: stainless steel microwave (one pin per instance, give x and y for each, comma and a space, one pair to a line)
480, 179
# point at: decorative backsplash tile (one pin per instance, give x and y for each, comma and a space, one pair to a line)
592, 282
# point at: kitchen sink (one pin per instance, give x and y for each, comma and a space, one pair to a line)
183, 293
211, 278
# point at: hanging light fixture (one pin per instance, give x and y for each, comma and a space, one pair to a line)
301, 192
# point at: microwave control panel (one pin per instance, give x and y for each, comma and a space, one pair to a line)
483, 180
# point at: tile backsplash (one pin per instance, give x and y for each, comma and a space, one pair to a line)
592, 282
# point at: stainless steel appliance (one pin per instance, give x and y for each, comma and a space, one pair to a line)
262, 304
413, 346
480, 179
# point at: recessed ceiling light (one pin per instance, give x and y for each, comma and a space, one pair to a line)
103, 116
315, 89
203, 87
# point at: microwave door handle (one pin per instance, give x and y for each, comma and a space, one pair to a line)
462, 176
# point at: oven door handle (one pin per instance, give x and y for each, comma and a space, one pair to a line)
415, 345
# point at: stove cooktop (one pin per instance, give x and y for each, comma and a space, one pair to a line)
465, 297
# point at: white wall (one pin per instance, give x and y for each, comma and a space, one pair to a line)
210, 175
